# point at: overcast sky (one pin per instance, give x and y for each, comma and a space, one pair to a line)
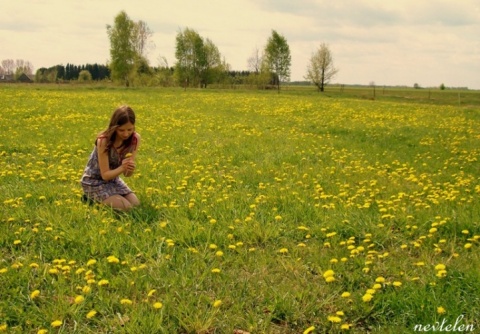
389, 42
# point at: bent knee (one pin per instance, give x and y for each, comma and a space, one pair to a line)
118, 202
133, 200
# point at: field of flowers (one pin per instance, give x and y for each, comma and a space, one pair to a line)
261, 213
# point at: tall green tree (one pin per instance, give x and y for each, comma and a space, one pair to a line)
122, 51
199, 61
277, 57
191, 59
212, 68
320, 69
141, 38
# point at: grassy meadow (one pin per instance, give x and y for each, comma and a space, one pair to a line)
261, 212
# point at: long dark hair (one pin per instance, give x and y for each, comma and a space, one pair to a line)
120, 116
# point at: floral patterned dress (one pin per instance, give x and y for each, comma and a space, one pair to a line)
96, 188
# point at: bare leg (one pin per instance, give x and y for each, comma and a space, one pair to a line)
132, 198
118, 202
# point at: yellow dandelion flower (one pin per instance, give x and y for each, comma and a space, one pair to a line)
345, 326
113, 259
151, 293
79, 271
468, 245
217, 303
17, 242
283, 251
212, 246
397, 283
346, 294
440, 267
126, 302
330, 279
91, 262
53, 271
3, 270
219, 253
3, 327
16, 265
380, 279
215, 270
367, 297
441, 310
334, 319
91, 314
309, 330
340, 313
56, 323
79, 299
42, 331
328, 273
157, 305
103, 282
35, 294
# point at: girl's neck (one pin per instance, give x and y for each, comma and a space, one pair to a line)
118, 143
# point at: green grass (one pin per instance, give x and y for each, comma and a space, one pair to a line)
248, 198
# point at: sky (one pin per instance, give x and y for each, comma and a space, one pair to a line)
386, 42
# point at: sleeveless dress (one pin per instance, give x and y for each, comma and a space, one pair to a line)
97, 189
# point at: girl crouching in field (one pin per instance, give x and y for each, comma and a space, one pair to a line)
114, 154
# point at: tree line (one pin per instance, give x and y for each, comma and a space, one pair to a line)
70, 72
199, 62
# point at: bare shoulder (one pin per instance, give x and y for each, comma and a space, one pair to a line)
101, 144
137, 137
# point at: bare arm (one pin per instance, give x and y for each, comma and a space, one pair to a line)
103, 162
131, 159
